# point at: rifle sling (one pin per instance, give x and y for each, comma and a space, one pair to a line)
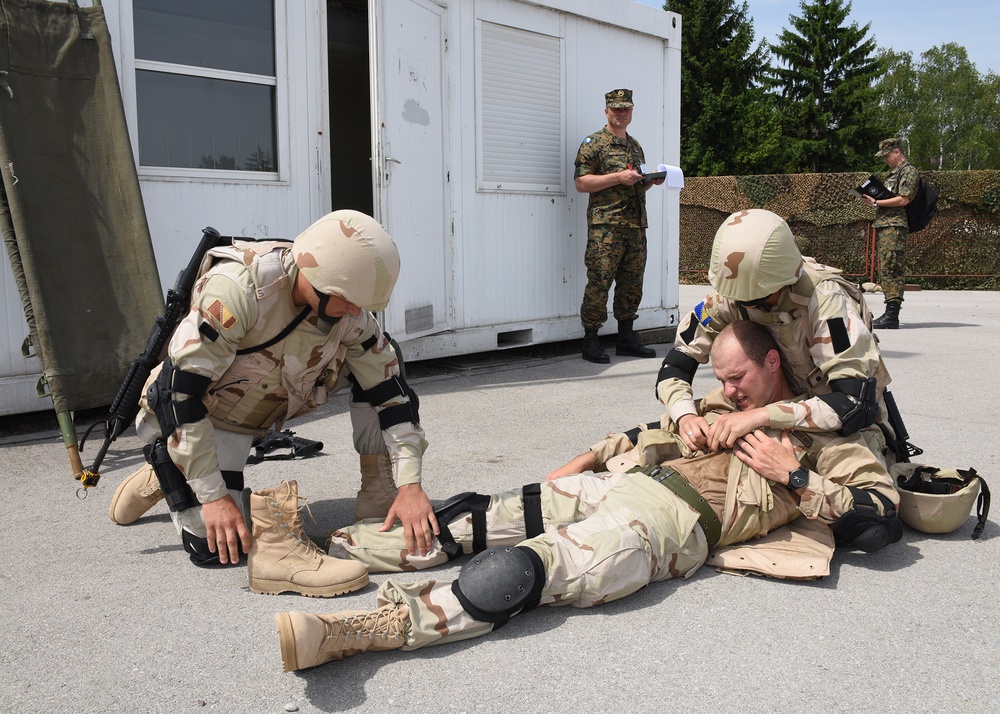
279, 337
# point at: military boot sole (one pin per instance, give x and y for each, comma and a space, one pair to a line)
286, 641
277, 587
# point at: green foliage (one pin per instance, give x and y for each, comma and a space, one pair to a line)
729, 125
822, 83
946, 113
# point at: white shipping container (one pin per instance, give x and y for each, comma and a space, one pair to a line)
454, 122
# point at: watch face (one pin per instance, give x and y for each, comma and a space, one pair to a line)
798, 478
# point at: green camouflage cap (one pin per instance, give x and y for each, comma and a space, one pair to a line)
618, 99
350, 254
753, 255
887, 145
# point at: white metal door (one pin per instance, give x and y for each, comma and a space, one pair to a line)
412, 180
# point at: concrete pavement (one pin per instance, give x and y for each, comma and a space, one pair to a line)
102, 618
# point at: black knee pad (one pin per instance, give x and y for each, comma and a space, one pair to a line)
500, 582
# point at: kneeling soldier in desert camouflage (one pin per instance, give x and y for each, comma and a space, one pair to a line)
595, 538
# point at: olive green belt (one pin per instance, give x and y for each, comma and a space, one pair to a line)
707, 519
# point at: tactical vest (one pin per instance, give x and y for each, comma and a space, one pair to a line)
794, 332
265, 386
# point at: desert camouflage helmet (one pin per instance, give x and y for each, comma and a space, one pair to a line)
753, 255
348, 253
938, 500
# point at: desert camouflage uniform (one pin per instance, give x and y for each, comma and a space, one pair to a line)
608, 535
806, 322
243, 301
891, 231
616, 230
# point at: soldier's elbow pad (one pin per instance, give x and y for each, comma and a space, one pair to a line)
676, 365
855, 401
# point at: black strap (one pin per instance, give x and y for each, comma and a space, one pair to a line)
280, 336
397, 414
531, 498
384, 391
982, 503
468, 502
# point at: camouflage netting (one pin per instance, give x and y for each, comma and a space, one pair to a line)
959, 249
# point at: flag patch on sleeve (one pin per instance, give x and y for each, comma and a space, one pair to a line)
222, 315
700, 313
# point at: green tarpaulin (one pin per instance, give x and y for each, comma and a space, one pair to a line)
71, 213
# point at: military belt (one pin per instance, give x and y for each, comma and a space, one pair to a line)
707, 519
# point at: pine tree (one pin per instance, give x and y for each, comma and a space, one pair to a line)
728, 125
823, 87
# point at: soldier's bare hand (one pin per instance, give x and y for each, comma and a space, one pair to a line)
226, 530
767, 457
630, 177
413, 509
694, 431
730, 427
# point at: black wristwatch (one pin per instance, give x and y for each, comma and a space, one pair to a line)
797, 478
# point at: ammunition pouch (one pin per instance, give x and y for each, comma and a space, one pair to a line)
856, 402
499, 583
171, 413
863, 528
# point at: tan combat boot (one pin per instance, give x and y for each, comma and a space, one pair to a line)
282, 558
378, 489
307, 640
135, 495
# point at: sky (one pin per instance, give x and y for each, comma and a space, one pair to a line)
910, 26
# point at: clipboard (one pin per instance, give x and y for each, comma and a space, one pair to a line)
871, 186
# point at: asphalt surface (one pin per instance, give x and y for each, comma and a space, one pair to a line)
104, 618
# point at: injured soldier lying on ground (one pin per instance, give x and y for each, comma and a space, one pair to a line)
657, 511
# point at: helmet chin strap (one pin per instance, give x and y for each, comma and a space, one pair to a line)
324, 299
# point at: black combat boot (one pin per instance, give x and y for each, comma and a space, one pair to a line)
592, 351
628, 344
889, 319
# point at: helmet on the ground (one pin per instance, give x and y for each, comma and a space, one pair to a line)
349, 254
753, 255
933, 500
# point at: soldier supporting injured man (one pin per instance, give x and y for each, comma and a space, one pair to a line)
595, 538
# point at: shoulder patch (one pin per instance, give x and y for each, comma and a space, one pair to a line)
222, 315
701, 315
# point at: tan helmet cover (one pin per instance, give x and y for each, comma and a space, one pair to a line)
934, 512
349, 254
753, 255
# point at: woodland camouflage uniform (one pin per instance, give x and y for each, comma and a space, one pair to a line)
891, 231
616, 230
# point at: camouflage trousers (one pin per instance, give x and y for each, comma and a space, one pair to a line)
890, 243
614, 255
606, 537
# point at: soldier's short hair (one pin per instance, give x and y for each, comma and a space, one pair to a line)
755, 339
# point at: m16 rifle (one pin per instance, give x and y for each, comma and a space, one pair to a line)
904, 449
125, 407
